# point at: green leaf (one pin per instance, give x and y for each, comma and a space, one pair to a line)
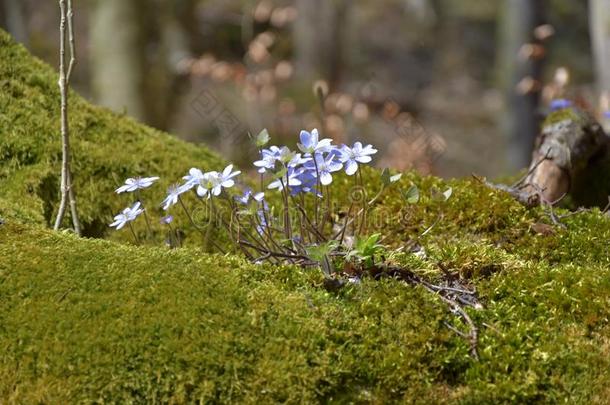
388, 179
280, 174
395, 178
441, 195
365, 249
262, 138
411, 195
447, 193
318, 252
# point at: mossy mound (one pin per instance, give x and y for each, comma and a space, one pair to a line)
96, 321
107, 148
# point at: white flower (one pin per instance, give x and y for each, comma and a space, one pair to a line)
136, 183
129, 214
209, 184
193, 178
173, 193
226, 177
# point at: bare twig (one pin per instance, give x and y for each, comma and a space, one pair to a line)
303, 259
67, 193
531, 170
524, 197
473, 334
452, 296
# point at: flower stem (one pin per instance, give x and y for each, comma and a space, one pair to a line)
135, 237
196, 227
318, 188
287, 226
148, 227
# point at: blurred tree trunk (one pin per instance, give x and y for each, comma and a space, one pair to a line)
599, 23
318, 39
175, 27
12, 18
117, 56
521, 77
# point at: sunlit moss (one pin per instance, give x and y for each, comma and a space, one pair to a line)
107, 147
85, 320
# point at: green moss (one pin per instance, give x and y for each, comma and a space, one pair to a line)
564, 114
107, 148
84, 320
92, 320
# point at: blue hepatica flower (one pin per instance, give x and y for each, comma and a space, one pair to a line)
268, 159
356, 154
247, 196
129, 214
310, 143
166, 220
607, 114
323, 167
136, 183
290, 179
560, 104
260, 228
173, 193
308, 183
290, 158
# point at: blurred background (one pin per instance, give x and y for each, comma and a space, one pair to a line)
448, 87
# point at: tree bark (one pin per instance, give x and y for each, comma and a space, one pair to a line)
572, 159
521, 75
118, 57
12, 17
599, 26
318, 39
175, 26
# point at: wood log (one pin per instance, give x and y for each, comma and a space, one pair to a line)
571, 158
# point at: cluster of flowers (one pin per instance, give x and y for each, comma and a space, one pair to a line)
314, 166
206, 185
309, 170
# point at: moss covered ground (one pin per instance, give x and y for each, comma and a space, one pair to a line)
93, 320
106, 148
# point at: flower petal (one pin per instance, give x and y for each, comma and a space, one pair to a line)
227, 171
363, 159
351, 167
305, 138
228, 183
326, 178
